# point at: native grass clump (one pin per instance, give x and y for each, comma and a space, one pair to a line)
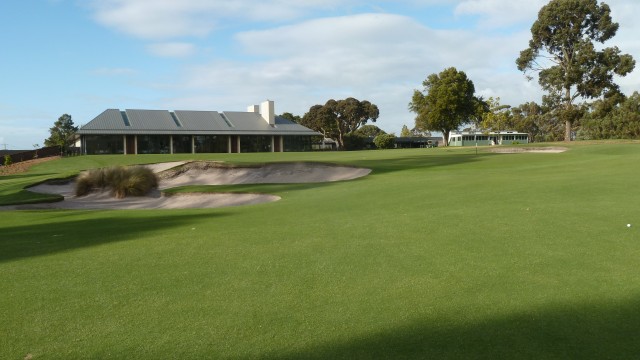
121, 181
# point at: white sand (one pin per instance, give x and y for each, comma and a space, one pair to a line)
516, 150
198, 173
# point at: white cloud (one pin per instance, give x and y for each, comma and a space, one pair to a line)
499, 13
378, 57
172, 49
165, 19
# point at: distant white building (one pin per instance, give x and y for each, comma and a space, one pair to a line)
488, 138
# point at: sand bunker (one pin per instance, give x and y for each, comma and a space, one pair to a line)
516, 150
198, 173
215, 173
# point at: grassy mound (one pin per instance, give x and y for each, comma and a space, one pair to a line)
122, 181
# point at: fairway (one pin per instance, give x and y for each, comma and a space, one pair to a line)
437, 254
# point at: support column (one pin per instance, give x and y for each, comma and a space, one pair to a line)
273, 144
229, 144
238, 144
135, 141
124, 143
171, 144
193, 144
281, 143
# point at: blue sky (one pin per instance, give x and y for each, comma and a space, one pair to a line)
82, 57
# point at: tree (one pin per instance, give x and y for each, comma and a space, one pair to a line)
369, 131
612, 119
538, 121
62, 133
405, 132
498, 117
336, 119
317, 119
289, 116
385, 141
562, 51
447, 103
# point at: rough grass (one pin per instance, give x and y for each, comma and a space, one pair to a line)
121, 181
438, 254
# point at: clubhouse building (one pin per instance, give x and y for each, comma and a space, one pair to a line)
184, 131
488, 138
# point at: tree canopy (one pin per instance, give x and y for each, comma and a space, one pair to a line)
369, 131
291, 117
447, 102
337, 118
405, 132
497, 117
562, 52
62, 133
609, 120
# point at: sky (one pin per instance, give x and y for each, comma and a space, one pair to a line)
82, 57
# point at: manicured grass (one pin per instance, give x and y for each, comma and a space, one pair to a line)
439, 253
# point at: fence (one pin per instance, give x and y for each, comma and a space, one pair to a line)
34, 154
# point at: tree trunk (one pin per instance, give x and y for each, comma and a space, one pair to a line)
568, 115
445, 136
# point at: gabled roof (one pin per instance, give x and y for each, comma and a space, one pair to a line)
188, 122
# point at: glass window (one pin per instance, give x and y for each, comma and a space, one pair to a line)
153, 144
104, 144
255, 144
211, 143
297, 143
181, 144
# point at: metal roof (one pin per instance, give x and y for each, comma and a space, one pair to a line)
188, 122
201, 120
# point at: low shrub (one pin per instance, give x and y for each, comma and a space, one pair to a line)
385, 141
7, 160
122, 181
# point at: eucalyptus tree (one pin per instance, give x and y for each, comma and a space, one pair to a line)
338, 118
569, 65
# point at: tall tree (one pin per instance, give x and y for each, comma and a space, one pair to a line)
337, 118
563, 54
448, 101
405, 132
62, 133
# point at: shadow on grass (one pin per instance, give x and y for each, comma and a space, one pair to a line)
591, 331
278, 189
73, 230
